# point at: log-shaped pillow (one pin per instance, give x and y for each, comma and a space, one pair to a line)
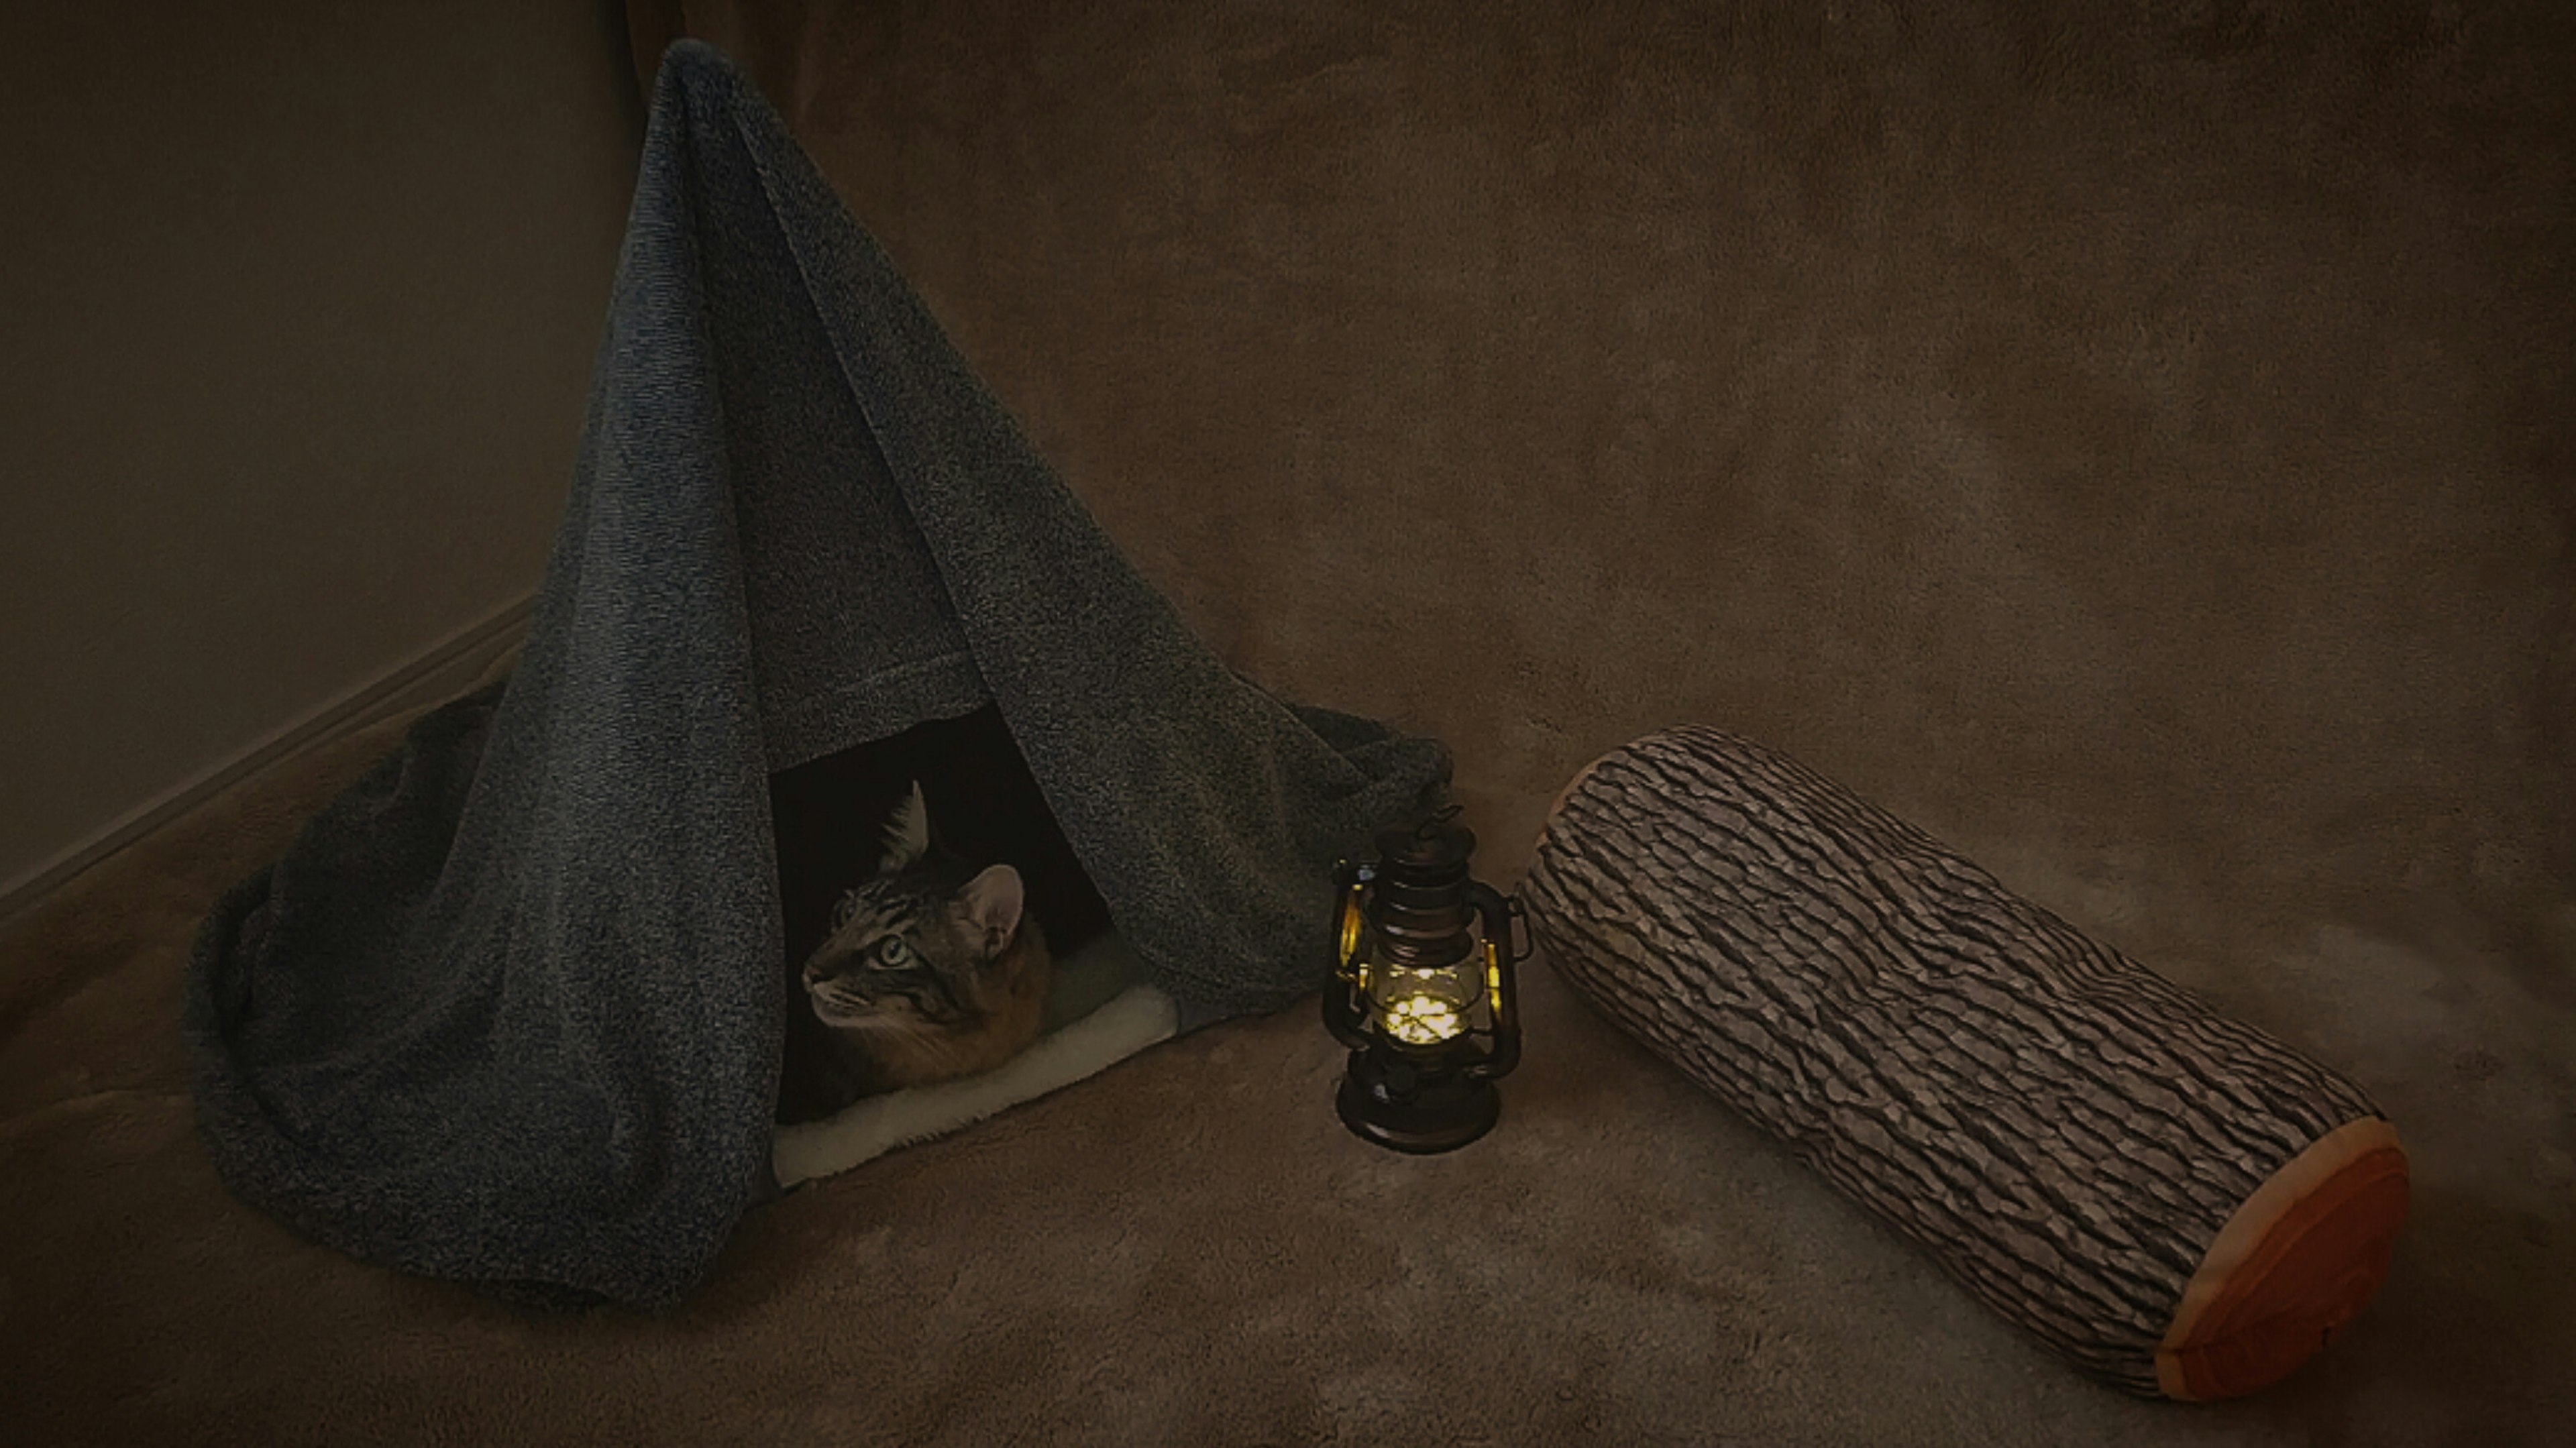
2173, 1200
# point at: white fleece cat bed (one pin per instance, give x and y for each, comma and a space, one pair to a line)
1094, 1034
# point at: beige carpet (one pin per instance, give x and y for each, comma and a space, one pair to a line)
2131, 441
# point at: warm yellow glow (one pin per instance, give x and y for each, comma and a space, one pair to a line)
1422, 1020
1352, 919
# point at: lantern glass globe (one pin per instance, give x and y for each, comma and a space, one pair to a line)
1423, 1007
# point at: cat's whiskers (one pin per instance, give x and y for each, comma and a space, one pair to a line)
931, 971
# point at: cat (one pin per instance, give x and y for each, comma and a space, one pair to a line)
834, 820
933, 970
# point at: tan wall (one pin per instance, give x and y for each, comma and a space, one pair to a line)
2139, 454
300, 305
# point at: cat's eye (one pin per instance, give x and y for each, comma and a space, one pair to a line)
894, 950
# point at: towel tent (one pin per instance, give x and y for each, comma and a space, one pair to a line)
508, 1011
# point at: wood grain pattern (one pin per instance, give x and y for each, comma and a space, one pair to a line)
2140, 1182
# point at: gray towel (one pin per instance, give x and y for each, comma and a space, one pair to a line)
508, 1011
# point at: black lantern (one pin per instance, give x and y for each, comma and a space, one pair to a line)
1425, 999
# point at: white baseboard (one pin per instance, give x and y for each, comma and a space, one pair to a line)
443, 669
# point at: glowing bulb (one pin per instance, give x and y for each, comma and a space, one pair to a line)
1421, 1020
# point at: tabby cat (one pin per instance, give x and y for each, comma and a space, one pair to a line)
932, 971
925, 890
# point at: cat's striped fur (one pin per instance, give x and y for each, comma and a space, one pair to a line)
930, 972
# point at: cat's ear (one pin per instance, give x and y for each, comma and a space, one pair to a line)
992, 902
907, 835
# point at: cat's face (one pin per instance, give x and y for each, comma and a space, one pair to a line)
917, 948
913, 948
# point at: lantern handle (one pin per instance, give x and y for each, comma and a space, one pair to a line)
1523, 941
1501, 957
1343, 1008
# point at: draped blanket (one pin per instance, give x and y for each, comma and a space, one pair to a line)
508, 1011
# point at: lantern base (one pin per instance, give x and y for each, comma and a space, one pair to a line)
1404, 1108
